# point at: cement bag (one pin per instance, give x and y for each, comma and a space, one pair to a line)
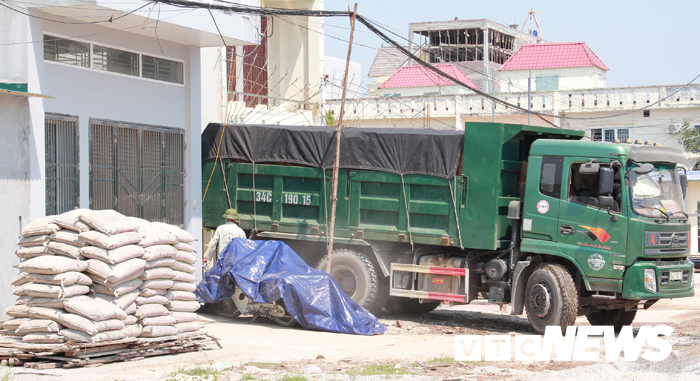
97, 281
150, 310
146, 292
162, 284
184, 317
151, 236
157, 273
131, 319
71, 220
68, 237
33, 252
183, 267
180, 295
116, 274
119, 289
38, 290
18, 311
112, 257
181, 246
180, 276
64, 279
96, 309
45, 313
40, 226
155, 299
158, 320
130, 311
182, 235
184, 286
161, 262
187, 327
152, 253
186, 257
122, 301
43, 338
21, 289
132, 330
64, 249
33, 240
109, 242
20, 279
14, 323
158, 331
85, 325
38, 326
108, 222
54, 302
182, 306
24, 299
51, 264
82, 337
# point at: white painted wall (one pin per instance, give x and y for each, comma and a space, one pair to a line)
427, 91
570, 78
14, 186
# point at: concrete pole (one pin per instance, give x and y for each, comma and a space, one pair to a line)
529, 78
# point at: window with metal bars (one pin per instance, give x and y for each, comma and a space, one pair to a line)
610, 134
137, 170
61, 163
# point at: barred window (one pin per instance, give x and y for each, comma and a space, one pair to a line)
66, 51
115, 60
162, 69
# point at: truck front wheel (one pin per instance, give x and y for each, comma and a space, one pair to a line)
551, 297
617, 318
357, 276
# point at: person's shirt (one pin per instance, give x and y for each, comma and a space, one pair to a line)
224, 234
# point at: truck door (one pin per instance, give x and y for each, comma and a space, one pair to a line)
586, 232
541, 208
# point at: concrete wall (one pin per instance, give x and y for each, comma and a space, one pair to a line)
428, 91
570, 78
14, 186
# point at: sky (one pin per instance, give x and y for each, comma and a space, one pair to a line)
642, 42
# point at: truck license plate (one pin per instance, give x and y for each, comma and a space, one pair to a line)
675, 275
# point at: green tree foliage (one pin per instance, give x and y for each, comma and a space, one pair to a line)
330, 118
689, 138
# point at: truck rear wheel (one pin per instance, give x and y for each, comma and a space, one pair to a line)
617, 318
399, 305
356, 274
551, 297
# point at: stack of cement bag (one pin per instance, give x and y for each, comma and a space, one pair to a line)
94, 276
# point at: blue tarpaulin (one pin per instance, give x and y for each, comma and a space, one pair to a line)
267, 271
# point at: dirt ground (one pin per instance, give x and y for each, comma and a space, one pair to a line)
416, 347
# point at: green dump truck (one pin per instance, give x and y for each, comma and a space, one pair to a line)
520, 215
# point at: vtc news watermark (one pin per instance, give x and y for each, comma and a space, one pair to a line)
578, 344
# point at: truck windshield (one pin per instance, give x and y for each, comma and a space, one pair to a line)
657, 194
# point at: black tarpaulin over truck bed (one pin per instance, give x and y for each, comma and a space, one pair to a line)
400, 151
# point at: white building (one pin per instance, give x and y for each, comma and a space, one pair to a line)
553, 66
128, 94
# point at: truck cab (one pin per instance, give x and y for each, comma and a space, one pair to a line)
613, 215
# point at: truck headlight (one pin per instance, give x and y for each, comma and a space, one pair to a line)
650, 280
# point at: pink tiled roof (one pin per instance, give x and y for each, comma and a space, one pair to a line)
553, 55
419, 76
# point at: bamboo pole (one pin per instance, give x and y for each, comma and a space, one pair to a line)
336, 162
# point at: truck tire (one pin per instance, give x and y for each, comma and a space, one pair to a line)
356, 274
617, 318
226, 308
551, 297
399, 305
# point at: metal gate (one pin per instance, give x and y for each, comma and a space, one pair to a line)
137, 170
61, 159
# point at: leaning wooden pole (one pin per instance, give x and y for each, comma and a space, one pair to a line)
336, 161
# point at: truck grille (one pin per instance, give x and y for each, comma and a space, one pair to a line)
665, 275
666, 243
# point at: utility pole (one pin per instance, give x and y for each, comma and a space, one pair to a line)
529, 77
336, 162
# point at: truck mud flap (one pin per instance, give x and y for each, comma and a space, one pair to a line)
520, 274
401, 270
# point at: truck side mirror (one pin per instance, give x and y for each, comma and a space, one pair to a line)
684, 184
606, 178
590, 168
607, 202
